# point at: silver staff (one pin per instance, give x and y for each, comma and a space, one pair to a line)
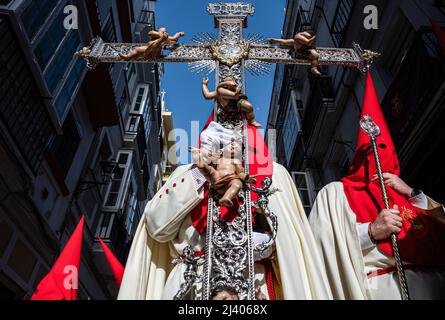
373, 131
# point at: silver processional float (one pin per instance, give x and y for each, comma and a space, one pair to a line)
229, 252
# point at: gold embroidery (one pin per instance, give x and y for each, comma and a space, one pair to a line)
409, 216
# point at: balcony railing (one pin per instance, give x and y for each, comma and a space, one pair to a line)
22, 109
303, 20
112, 232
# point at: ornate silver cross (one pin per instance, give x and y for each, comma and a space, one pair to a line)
228, 260
229, 53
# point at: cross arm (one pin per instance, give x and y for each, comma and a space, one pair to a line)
348, 57
103, 52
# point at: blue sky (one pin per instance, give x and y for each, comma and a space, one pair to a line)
183, 88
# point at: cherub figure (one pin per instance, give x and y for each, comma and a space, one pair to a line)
153, 50
302, 41
228, 96
228, 177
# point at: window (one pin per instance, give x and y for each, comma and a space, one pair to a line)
22, 110
56, 70
147, 16
292, 125
22, 260
440, 4
105, 225
139, 110
141, 99
341, 20
109, 31
432, 45
69, 88
279, 78
397, 44
131, 67
64, 146
103, 155
35, 15
131, 207
302, 20
50, 41
109, 34
21, 266
305, 186
117, 187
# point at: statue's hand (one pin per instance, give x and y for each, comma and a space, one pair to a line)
181, 34
205, 81
249, 179
197, 155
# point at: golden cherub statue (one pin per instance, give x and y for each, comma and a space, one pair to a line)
302, 41
153, 50
228, 95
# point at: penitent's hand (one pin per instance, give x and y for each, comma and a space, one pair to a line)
395, 182
205, 81
387, 223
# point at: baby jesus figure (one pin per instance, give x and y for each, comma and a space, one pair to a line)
228, 96
153, 49
228, 177
305, 41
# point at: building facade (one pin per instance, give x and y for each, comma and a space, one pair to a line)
74, 142
316, 119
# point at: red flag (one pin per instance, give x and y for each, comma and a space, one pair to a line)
115, 265
440, 34
61, 283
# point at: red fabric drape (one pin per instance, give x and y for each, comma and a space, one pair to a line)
422, 237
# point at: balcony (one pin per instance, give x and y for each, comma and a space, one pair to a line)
23, 114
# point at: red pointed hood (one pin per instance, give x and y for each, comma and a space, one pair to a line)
261, 166
363, 166
113, 262
421, 233
440, 34
61, 283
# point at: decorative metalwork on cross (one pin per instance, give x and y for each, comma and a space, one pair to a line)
228, 53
